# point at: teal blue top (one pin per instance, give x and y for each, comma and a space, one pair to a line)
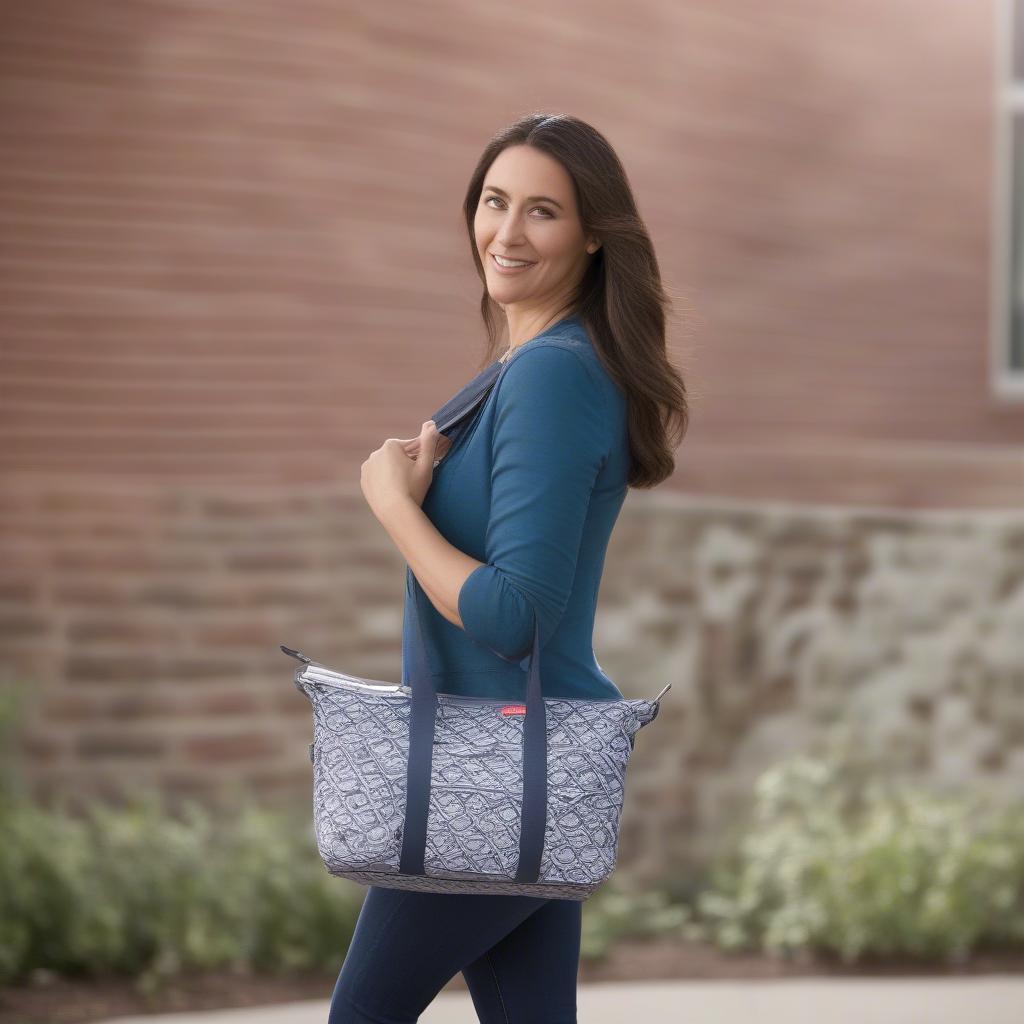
532, 488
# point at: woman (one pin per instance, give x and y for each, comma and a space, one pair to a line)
506, 521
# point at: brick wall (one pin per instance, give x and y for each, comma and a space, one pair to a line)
232, 243
148, 619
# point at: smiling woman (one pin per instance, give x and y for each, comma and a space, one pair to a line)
530, 240
507, 544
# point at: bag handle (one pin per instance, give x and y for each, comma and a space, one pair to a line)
422, 722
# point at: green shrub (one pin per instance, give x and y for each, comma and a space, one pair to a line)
615, 913
838, 861
137, 891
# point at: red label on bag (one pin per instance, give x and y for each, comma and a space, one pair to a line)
514, 709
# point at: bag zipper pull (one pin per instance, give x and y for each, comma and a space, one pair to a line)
292, 653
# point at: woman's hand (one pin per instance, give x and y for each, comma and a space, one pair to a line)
412, 447
400, 470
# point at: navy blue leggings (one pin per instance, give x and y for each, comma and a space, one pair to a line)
519, 956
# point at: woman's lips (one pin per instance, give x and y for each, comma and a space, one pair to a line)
508, 270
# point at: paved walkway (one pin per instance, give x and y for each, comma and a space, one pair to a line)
992, 999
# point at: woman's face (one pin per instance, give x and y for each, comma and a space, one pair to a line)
527, 211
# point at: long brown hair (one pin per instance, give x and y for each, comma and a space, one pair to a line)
620, 298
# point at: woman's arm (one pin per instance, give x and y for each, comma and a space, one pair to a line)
549, 442
440, 567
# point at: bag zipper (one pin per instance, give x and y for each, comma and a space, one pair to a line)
330, 678
320, 673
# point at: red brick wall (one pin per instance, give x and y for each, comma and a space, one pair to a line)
146, 621
232, 245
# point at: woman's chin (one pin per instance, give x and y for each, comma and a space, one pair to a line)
501, 292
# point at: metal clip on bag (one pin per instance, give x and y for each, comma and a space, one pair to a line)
440, 792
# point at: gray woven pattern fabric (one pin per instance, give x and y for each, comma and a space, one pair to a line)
360, 757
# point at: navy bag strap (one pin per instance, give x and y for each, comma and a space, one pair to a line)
468, 397
423, 715
423, 718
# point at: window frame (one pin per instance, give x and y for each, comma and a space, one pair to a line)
1007, 379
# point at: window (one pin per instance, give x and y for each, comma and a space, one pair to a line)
1008, 207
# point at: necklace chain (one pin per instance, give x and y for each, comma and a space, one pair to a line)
502, 358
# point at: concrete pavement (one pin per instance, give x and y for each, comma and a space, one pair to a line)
994, 999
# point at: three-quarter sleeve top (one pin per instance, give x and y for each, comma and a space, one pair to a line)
531, 487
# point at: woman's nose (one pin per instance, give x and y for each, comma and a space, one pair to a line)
511, 231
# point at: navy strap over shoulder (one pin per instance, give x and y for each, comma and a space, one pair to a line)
424, 705
467, 398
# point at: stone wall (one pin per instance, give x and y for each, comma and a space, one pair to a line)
784, 626
146, 621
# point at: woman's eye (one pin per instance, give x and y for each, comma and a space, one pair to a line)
544, 209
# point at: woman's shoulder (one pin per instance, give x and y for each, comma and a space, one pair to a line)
564, 362
558, 357
557, 387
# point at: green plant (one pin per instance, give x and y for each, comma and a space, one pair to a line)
841, 862
137, 891
614, 913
